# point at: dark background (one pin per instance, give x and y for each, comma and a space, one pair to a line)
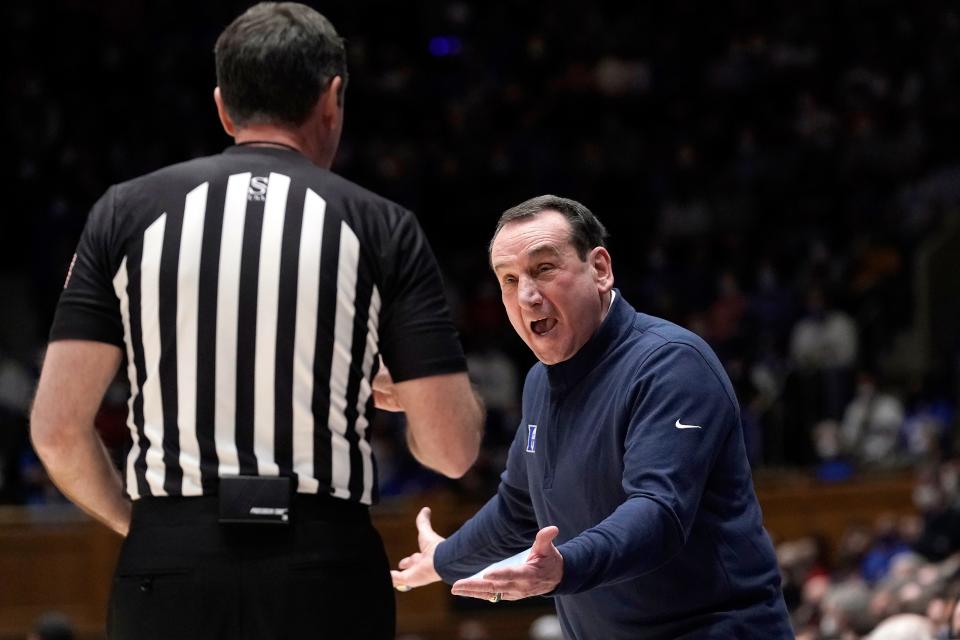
746, 157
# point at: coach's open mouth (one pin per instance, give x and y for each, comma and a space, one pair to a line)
543, 325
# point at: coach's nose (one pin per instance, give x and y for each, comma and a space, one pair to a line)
528, 293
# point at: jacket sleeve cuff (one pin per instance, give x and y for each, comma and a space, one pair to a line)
575, 568
441, 561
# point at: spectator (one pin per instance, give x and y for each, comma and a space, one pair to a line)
52, 626
872, 423
905, 626
825, 340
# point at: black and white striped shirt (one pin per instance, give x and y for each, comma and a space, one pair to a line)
251, 293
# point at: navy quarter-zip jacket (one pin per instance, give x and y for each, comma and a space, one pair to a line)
634, 449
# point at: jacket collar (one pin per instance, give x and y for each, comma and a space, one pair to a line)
615, 325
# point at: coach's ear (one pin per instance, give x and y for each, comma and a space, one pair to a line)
225, 120
602, 267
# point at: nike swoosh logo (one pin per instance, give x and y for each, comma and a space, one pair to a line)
680, 425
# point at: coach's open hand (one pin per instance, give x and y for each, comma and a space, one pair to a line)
417, 570
540, 574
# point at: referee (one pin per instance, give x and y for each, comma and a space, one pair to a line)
254, 296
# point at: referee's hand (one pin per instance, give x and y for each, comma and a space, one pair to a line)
384, 393
417, 570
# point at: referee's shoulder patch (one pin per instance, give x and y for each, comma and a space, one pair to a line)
73, 263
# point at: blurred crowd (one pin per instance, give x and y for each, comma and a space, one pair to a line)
782, 179
894, 579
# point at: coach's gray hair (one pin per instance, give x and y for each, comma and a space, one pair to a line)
587, 231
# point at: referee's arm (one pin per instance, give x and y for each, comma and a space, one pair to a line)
444, 421
75, 376
445, 418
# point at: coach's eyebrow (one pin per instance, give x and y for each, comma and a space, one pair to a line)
537, 251
542, 249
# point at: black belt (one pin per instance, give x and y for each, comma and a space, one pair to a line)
304, 507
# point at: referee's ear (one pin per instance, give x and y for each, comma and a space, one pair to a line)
225, 120
330, 104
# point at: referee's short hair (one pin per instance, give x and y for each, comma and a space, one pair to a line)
275, 60
587, 231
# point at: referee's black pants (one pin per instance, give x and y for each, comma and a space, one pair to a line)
182, 575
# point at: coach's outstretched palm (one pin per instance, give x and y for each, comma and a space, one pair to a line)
416, 570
